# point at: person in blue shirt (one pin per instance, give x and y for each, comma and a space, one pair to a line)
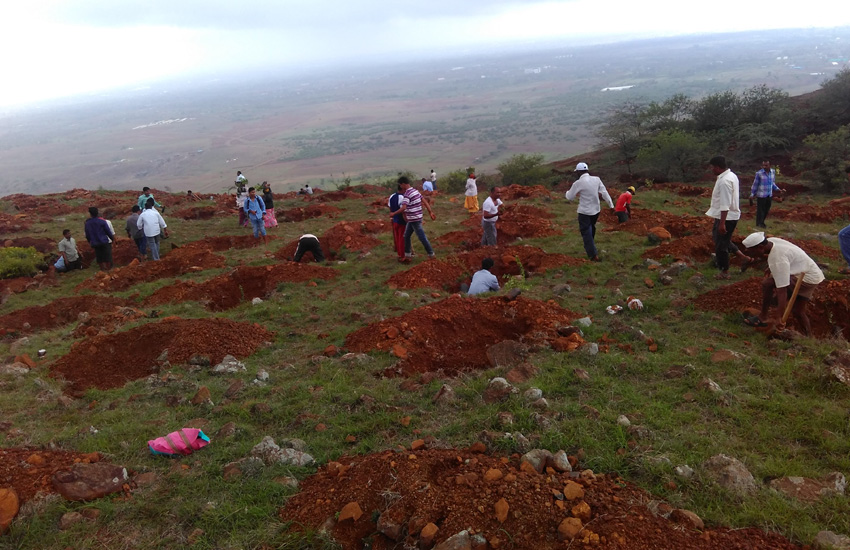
100, 237
255, 209
763, 187
427, 185
484, 281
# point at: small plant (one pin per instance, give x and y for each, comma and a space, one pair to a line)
20, 262
519, 281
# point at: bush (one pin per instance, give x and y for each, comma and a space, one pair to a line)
453, 182
524, 170
825, 157
20, 262
674, 155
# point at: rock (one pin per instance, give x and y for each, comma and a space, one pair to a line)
256, 301
89, 481
287, 481
69, 519
427, 534
710, 385
697, 280
573, 491
350, 511
231, 471
560, 462
569, 528
200, 360
541, 404
389, 527
827, 540
498, 389
521, 373
331, 351
810, 490
16, 369
581, 511
649, 283
9, 506
688, 518
684, 471
460, 541
270, 453
444, 395
838, 364
660, 234
532, 394
538, 459
676, 268
400, 294
501, 509
623, 421
581, 374
724, 355
262, 375
229, 365
227, 430
418, 444
202, 397
730, 473
665, 280
234, 388
478, 542
508, 354
493, 474
591, 348
561, 289
505, 418
145, 479
583, 322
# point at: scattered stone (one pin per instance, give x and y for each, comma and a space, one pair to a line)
26, 360
257, 301
400, 294
521, 373
582, 374
501, 508
537, 458
838, 363
676, 268
730, 473
684, 471
724, 355
262, 375
350, 511
659, 234
493, 474
505, 419
624, 421
16, 369
287, 481
649, 283
234, 388
591, 348
89, 481
229, 365
427, 534
540, 404
271, 453
145, 479
202, 397
532, 394
650, 263
200, 360
561, 462
584, 322
418, 444
498, 389
710, 385
561, 289
9, 506
331, 351
827, 540
569, 528
460, 541
686, 517
508, 354
444, 395
810, 490
573, 491
665, 280
69, 519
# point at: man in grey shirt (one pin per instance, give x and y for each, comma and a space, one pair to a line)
483, 281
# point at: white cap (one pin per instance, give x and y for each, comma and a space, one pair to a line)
754, 239
581, 166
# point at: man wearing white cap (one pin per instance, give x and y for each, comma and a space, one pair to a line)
588, 189
786, 262
726, 211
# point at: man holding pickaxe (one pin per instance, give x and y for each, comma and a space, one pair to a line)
788, 265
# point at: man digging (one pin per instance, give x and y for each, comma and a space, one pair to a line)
786, 262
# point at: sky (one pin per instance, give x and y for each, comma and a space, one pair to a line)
59, 48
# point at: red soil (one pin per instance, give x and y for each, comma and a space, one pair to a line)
335, 196
354, 236
452, 335
13, 224
112, 360
643, 220
518, 221
829, 310
107, 322
447, 487
431, 274
307, 212
58, 312
41, 244
179, 262
124, 251
809, 213
30, 471
242, 284
696, 248
514, 192
222, 243
199, 213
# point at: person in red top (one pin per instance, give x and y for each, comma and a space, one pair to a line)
623, 208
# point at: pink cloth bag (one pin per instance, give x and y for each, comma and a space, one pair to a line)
181, 442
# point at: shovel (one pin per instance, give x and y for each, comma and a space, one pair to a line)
786, 334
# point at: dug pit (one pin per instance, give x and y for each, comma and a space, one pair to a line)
57, 313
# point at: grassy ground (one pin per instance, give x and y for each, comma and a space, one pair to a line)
778, 412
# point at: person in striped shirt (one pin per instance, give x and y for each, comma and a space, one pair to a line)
411, 207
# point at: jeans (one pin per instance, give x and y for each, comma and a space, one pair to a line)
153, 246
762, 208
723, 244
844, 244
417, 227
488, 236
587, 227
259, 227
142, 245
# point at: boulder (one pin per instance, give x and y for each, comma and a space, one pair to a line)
89, 481
9, 505
460, 541
827, 540
687, 518
270, 453
730, 473
537, 458
497, 390
229, 365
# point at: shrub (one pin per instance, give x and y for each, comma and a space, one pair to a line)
674, 155
20, 262
524, 170
826, 156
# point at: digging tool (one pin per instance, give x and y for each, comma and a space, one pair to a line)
785, 333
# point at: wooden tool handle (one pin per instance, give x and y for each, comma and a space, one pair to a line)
793, 298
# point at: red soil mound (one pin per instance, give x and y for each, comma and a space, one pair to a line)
308, 212
809, 213
30, 471
452, 335
112, 360
354, 236
22, 284
40, 244
107, 322
222, 243
447, 487
335, 196
13, 224
430, 274
243, 283
518, 221
58, 312
199, 213
124, 251
514, 192
643, 220
700, 247
179, 262
829, 310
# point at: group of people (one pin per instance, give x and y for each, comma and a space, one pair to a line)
255, 211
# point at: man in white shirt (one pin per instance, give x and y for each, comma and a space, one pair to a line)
786, 262
483, 281
491, 216
726, 211
433, 179
150, 221
588, 189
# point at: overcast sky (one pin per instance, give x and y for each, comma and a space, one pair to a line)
55, 48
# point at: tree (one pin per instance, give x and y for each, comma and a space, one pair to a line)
524, 170
669, 114
625, 129
825, 157
833, 102
761, 104
716, 112
674, 154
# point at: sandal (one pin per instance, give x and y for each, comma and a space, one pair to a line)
754, 321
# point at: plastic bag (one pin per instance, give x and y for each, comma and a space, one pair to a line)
60, 263
181, 442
